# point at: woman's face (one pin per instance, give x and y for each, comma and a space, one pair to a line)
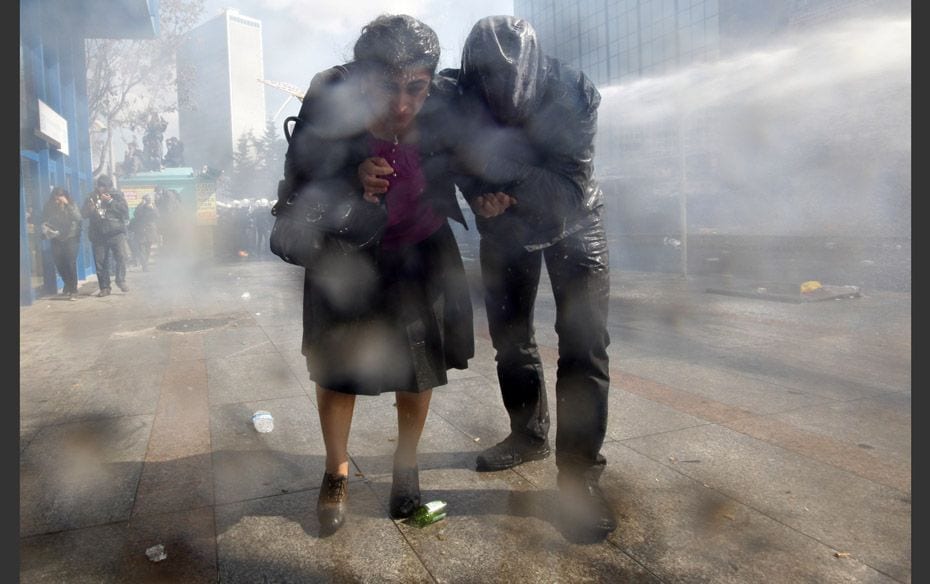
397, 97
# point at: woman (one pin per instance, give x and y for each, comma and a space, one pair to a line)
62, 226
396, 317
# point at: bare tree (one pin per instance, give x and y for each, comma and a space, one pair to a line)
128, 77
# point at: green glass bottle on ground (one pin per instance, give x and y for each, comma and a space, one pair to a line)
428, 514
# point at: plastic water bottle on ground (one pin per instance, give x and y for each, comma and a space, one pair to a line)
156, 553
263, 421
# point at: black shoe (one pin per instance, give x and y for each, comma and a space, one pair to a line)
103, 292
123, 287
586, 514
405, 492
331, 504
513, 450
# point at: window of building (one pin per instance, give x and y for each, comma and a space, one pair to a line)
29, 173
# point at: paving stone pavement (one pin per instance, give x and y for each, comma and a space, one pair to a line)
748, 441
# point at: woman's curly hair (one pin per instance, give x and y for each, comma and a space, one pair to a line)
397, 42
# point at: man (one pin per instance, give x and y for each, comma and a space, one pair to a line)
108, 214
144, 231
526, 152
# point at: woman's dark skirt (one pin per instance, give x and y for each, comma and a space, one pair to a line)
388, 320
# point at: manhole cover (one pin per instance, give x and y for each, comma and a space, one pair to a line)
192, 324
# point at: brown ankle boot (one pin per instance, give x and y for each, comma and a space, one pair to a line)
331, 505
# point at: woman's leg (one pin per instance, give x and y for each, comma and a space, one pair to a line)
335, 420
412, 409
70, 279
145, 250
60, 257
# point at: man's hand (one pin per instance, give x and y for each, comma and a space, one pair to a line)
368, 173
107, 197
492, 204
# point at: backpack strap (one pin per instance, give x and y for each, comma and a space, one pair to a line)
288, 132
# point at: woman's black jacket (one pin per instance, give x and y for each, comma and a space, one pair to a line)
329, 140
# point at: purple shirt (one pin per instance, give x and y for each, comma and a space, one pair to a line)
410, 218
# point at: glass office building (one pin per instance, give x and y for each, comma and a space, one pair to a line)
692, 90
224, 99
614, 41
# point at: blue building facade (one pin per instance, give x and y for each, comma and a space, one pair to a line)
53, 99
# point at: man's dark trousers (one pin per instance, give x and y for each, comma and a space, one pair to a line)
579, 272
118, 245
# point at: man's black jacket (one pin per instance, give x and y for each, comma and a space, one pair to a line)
527, 130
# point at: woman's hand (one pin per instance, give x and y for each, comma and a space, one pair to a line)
368, 173
492, 204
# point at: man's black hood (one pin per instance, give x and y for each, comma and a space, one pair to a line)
502, 62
